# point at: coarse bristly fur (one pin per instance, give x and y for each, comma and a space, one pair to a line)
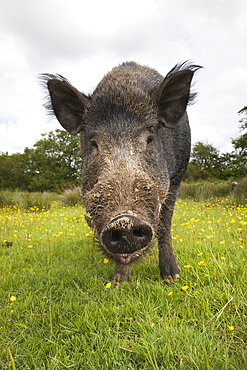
135, 145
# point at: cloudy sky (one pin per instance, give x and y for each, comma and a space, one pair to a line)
82, 40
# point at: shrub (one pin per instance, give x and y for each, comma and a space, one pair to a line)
202, 175
25, 200
72, 197
38, 201
10, 198
202, 191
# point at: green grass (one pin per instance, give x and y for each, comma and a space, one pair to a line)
57, 313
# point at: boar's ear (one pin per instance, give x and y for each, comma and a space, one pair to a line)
66, 102
172, 97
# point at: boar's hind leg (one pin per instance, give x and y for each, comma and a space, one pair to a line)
122, 273
169, 268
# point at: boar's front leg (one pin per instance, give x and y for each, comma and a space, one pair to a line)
169, 268
122, 273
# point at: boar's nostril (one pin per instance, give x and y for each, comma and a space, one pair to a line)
116, 237
138, 234
126, 234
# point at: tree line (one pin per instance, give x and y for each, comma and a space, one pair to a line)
54, 162
206, 161
51, 165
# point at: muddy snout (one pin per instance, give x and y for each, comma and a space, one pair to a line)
125, 235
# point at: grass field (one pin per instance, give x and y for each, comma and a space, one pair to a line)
58, 312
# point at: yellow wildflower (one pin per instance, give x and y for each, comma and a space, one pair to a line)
185, 287
105, 260
230, 327
170, 293
13, 298
108, 285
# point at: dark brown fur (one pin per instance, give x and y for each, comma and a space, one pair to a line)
135, 144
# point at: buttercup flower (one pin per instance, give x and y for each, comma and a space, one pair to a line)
200, 263
185, 287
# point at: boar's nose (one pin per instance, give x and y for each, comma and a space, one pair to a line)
126, 234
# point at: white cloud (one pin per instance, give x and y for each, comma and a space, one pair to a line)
82, 40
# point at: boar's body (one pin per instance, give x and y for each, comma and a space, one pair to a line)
135, 144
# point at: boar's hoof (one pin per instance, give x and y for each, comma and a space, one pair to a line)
125, 235
169, 279
122, 273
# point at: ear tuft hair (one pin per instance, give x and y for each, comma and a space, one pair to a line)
43, 80
187, 65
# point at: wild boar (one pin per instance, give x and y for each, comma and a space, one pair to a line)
135, 145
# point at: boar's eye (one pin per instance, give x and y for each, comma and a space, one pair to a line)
93, 145
150, 140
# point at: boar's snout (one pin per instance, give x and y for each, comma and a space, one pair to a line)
126, 237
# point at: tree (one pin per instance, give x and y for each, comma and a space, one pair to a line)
12, 172
244, 119
240, 146
205, 157
54, 162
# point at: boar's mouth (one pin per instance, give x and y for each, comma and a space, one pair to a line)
126, 237
125, 259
